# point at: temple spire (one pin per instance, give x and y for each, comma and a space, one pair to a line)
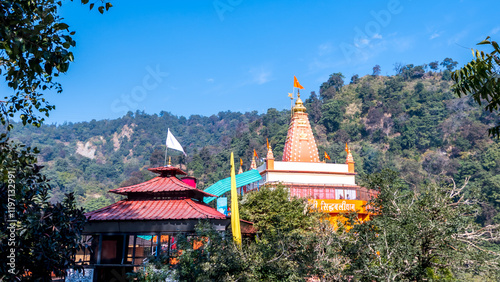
300, 145
241, 167
269, 158
253, 165
349, 159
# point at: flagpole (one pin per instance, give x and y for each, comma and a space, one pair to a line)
166, 150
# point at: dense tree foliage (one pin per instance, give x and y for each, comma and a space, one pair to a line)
332, 86
272, 211
39, 237
35, 50
420, 234
480, 78
429, 233
31, 226
292, 245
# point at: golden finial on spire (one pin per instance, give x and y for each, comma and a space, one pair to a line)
169, 160
299, 105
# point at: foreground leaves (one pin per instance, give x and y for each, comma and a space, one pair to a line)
481, 79
46, 235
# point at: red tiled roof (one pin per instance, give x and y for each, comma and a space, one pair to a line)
155, 210
160, 184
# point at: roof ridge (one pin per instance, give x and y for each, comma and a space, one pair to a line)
154, 179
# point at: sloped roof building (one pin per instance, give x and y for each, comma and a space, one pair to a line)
121, 236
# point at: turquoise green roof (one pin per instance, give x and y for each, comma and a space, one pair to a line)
224, 185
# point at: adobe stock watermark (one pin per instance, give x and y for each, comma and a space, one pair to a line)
223, 6
139, 93
12, 223
372, 29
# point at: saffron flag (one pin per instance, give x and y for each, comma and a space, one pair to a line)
296, 83
346, 148
255, 154
241, 162
172, 143
235, 212
327, 156
267, 140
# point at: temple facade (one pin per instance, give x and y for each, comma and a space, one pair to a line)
330, 187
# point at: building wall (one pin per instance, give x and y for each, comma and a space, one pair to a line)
319, 167
310, 178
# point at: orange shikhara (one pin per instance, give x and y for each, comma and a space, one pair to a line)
300, 145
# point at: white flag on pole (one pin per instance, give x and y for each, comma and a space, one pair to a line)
172, 143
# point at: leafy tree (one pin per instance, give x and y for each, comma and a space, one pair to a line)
46, 235
410, 71
93, 204
429, 234
398, 68
446, 75
157, 158
354, 79
35, 47
34, 50
481, 79
333, 114
332, 86
313, 105
434, 65
449, 64
376, 70
272, 211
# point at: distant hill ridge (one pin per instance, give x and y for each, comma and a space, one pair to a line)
410, 122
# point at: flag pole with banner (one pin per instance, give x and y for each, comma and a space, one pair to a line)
235, 212
297, 85
172, 143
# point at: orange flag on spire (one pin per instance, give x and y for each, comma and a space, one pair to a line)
255, 154
327, 156
241, 162
346, 148
296, 83
267, 140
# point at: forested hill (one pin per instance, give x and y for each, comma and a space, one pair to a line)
409, 122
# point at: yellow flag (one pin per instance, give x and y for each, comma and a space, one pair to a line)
296, 83
290, 95
235, 212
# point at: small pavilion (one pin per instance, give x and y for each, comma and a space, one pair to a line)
123, 235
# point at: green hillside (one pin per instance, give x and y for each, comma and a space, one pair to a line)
410, 122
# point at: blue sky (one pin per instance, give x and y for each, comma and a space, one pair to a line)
203, 57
